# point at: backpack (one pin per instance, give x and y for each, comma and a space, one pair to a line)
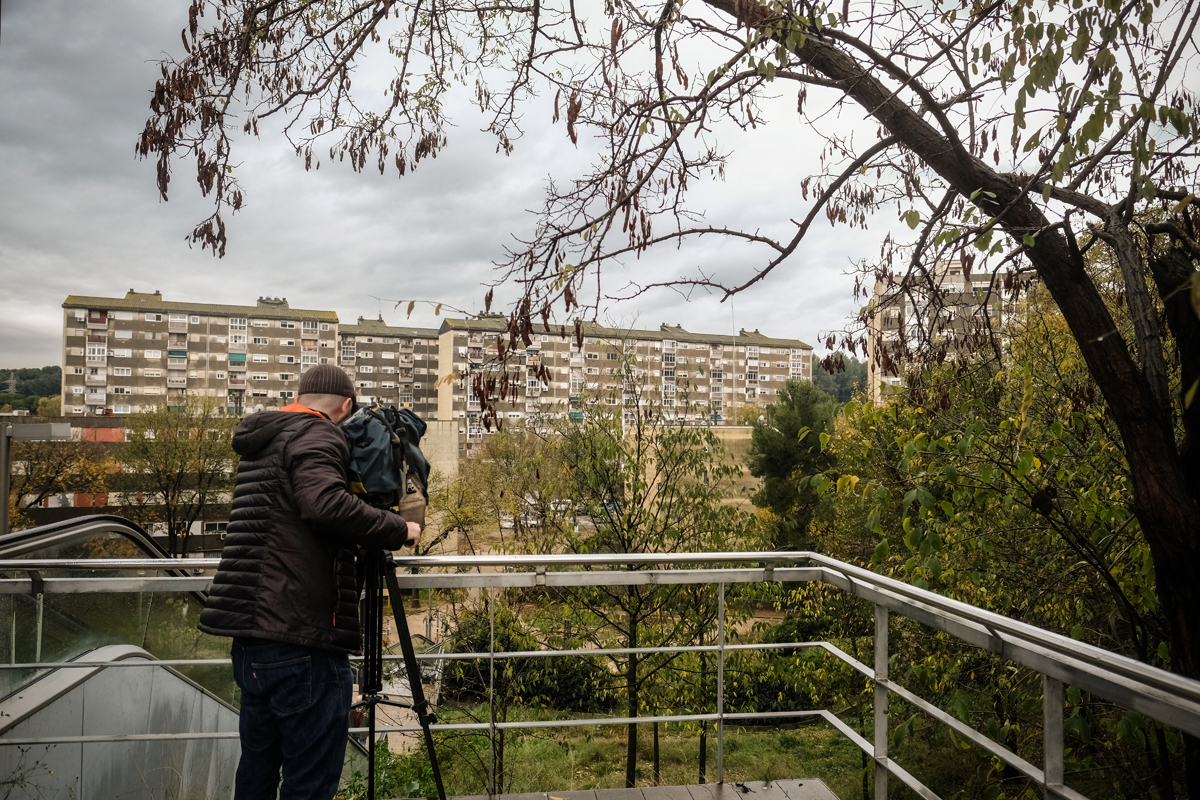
387, 467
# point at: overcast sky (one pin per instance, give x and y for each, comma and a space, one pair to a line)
80, 215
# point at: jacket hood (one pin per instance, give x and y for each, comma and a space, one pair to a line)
257, 430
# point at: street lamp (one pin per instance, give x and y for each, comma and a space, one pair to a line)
42, 432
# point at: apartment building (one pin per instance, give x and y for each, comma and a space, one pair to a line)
909, 319
120, 354
396, 366
695, 376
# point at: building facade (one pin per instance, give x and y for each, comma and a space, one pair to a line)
120, 354
694, 376
396, 366
909, 320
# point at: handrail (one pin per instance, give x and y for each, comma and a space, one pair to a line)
1166, 697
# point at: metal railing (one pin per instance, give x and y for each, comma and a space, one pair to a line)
1165, 697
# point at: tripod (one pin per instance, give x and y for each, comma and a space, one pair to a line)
378, 570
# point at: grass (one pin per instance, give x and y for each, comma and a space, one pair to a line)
593, 757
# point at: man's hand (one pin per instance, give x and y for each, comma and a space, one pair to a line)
414, 535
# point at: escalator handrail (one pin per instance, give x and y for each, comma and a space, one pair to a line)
17, 543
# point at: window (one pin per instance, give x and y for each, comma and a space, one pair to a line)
178, 317
287, 342
77, 409
610, 356
367, 354
121, 409
194, 320
153, 354
388, 370
287, 394
416, 342
283, 323
261, 358
309, 325
325, 344
237, 324
592, 356
348, 349
76, 370
122, 390
220, 376
237, 338
287, 376
152, 373
324, 326
260, 323
366, 384
387, 355
593, 370
123, 334
122, 372
76, 390
287, 359
122, 353
387, 385
668, 372
261, 340
366, 370
154, 318
258, 376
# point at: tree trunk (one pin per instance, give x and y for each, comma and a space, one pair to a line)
631, 676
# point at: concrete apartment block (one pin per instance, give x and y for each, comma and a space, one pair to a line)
702, 377
909, 319
396, 366
120, 354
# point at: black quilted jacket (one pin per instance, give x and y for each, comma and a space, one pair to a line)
287, 568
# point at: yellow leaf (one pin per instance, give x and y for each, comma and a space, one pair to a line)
411, 305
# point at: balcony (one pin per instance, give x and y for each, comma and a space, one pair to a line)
95, 380
94, 398
237, 382
177, 326
237, 366
309, 333
176, 382
97, 323
64, 655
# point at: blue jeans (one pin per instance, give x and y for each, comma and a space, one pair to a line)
295, 715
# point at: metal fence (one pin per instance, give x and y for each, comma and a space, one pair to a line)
1170, 699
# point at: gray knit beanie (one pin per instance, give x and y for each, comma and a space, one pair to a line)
327, 379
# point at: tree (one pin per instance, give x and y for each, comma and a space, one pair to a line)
50, 406
840, 376
41, 470
786, 445
1091, 103
177, 461
654, 485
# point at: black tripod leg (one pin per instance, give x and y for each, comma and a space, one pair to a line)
420, 705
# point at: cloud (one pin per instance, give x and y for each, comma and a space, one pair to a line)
80, 215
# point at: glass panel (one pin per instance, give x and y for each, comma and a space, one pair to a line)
162, 623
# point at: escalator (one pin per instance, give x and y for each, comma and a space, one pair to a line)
148, 701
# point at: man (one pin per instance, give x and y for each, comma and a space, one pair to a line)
286, 591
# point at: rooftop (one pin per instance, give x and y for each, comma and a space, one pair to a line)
265, 308
498, 322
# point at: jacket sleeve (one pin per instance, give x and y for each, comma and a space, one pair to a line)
315, 460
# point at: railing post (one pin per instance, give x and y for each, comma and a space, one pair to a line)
721, 686
881, 702
492, 689
1052, 735
41, 603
